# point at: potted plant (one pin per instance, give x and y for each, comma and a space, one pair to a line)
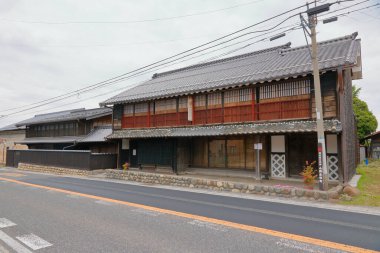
308, 174
125, 166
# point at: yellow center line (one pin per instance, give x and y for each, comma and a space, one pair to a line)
299, 238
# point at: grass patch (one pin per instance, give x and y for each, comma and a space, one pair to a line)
369, 185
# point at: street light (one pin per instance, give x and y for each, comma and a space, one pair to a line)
277, 36
318, 9
329, 20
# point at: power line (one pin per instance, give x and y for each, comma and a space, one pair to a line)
124, 88
154, 63
141, 73
224, 54
130, 21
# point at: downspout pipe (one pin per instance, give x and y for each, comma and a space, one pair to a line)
65, 148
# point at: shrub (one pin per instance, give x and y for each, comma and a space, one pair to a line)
125, 166
308, 174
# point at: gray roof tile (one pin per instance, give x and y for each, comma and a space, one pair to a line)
231, 129
97, 134
67, 116
265, 65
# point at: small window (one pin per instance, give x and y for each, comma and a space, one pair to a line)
141, 107
166, 105
128, 110
214, 99
292, 88
237, 96
200, 100
182, 102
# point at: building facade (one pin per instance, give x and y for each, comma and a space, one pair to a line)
9, 136
373, 150
211, 115
73, 129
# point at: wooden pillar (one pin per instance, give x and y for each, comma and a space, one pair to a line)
253, 104
148, 114
178, 116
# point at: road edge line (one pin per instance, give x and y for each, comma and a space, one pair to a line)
299, 238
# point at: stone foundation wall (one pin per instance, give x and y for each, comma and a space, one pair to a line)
184, 181
54, 170
192, 182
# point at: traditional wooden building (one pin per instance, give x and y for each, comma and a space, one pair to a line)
373, 150
72, 129
210, 115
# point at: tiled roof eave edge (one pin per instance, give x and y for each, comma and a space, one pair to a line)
334, 127
231, 85
99, 115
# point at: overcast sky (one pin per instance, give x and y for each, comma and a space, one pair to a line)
51, 47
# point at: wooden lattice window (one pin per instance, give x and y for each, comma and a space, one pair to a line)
141, 108
238, 96
291, 88
182, 103
128, 110
200, 101
166, 106
214, 100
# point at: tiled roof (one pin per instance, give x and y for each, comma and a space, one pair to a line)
67, 116
98, 134
232, 129
265, 65
12, 127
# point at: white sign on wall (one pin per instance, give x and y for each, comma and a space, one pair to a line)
258, 146
190, 108
278, 143
125, 144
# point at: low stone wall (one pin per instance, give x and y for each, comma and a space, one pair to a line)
191, 182
55, 170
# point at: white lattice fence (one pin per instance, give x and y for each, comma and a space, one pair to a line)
333, 167
278, 165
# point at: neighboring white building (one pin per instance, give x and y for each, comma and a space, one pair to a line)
8, 136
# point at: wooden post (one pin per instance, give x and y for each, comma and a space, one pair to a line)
253, 104
148, 114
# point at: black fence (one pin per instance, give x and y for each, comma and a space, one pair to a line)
76, 159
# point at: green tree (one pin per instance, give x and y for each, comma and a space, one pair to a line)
366, 121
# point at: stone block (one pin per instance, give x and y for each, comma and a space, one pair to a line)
300, 192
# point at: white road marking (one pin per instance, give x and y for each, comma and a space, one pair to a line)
147, 212
34, 242
303, 247
13, 244
4, 223
73, 196
106, 203
208, 225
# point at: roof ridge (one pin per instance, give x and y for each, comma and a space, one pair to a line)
270, 49
52, 113
346, 37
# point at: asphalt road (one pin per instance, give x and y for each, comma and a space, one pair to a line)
64, 222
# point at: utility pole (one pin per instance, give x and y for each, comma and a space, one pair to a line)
322, 159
